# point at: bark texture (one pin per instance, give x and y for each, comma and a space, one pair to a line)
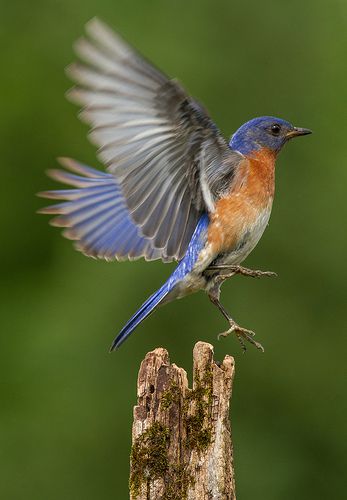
181, 437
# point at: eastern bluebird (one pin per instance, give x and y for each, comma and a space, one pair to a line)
175, 189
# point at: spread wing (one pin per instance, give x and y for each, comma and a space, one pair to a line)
167, 155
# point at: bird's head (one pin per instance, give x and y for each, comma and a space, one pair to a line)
265, 132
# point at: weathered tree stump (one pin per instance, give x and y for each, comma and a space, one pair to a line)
182, 447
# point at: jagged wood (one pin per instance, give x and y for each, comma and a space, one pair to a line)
181, 437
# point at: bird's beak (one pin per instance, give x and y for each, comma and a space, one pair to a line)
297, 131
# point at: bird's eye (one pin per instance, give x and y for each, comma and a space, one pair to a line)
275, 129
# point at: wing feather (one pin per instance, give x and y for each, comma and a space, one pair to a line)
96, 217
160, 145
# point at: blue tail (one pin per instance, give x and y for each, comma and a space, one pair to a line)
145, 310
184, 267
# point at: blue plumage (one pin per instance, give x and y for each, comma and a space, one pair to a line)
96, 216
257, 133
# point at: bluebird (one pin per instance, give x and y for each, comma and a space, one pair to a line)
174, 189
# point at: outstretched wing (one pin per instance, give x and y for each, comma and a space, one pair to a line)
167, 155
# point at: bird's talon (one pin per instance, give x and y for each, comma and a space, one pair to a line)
246, 332
254, 342
259, 346
271, 274
260, 274
224, 334
242, 334
243, 345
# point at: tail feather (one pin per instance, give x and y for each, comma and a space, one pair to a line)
145, 310
184, 267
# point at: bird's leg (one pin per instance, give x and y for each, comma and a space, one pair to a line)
240, 270
242, 334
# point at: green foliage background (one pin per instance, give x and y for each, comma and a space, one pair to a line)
66, 404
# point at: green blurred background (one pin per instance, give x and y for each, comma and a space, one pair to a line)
66, 404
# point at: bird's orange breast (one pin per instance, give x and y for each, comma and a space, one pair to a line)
250, 195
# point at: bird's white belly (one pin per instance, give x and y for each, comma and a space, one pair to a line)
248, 241
196, 280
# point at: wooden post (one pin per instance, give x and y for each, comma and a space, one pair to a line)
181, 438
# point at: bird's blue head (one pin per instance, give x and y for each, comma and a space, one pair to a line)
264, 132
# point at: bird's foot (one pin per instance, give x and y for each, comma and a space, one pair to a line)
253, 273
242, 335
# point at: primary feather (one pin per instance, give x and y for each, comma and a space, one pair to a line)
95, 215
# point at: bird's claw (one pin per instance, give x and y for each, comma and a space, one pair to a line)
242, 334
269, 274
255, 273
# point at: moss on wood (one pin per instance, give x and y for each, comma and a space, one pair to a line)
199, 433
149, 454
